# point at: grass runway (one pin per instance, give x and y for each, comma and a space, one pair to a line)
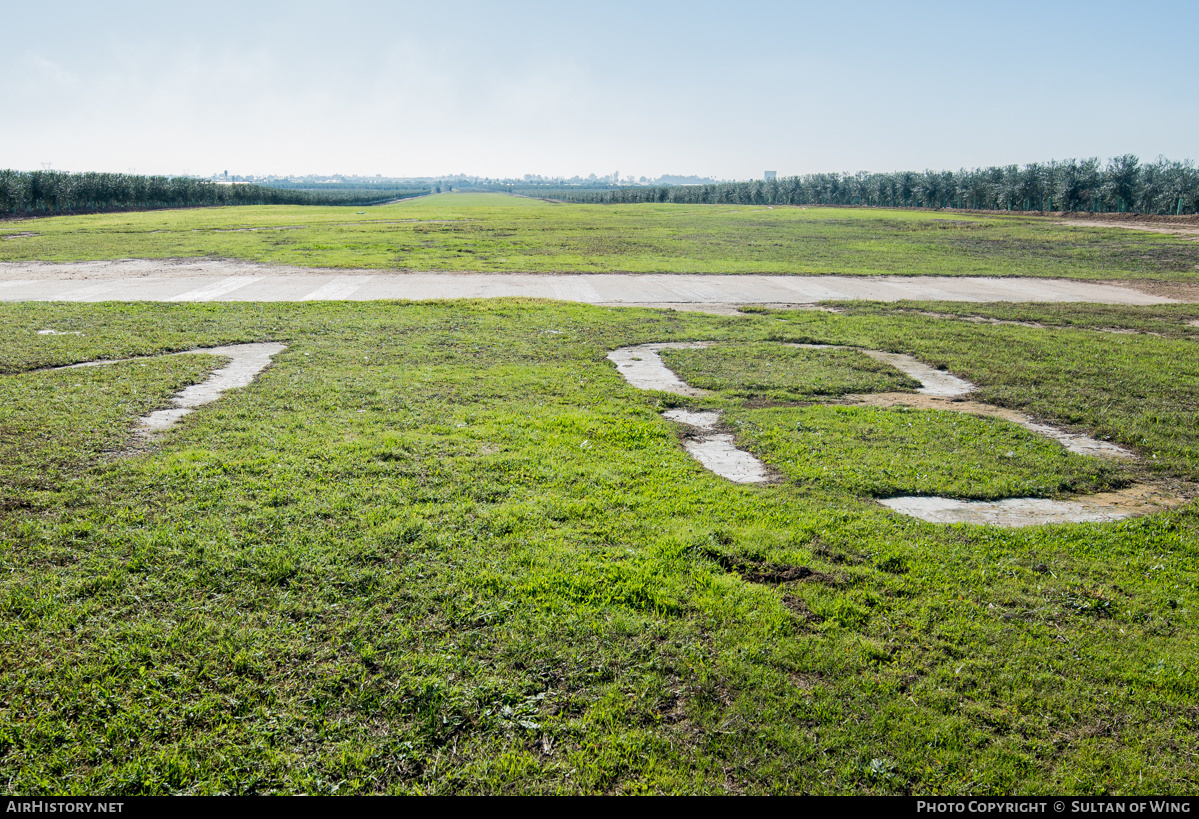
500, 233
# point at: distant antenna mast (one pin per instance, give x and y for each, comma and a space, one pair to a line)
46, 166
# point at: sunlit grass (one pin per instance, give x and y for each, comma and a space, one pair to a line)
496, 232
445, 548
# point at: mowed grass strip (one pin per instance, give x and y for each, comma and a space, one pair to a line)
500, 233
444, 548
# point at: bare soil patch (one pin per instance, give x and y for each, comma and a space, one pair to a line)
761, 572
1182, 231
1179, 291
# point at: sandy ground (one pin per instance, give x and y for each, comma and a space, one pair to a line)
1185, 231
217, 280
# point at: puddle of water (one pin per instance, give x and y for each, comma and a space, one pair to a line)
715, 450
246, 362
1010, 512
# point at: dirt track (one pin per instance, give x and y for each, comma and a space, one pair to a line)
1181, 230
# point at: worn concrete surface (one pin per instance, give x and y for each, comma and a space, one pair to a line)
246, 361
715, 450
1007, 512
217, 280
643, 368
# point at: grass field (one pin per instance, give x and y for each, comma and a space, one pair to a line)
444, 548
496, 232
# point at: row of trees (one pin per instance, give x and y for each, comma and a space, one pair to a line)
1122, 184
42, 192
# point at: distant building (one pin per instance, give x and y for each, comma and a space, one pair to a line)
771, 175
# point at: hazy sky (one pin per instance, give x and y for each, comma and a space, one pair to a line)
556, 88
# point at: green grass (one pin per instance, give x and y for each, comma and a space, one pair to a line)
781, 373
874, 452
444, 548
496, 232
1176, 321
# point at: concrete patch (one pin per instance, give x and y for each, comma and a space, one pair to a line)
246, 361
340, 288
643, 368
1077, 442
1141, 499
1073, 441
1009, 512
935, 383
715, 450
215, 290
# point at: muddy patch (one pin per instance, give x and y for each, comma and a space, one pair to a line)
756, 571
1180, 229
22, 235
246, 361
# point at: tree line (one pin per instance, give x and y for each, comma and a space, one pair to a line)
35, 193
1123, 184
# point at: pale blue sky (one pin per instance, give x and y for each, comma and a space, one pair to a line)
646, 88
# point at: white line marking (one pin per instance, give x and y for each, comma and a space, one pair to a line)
216, 289
91, 292
340, 288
